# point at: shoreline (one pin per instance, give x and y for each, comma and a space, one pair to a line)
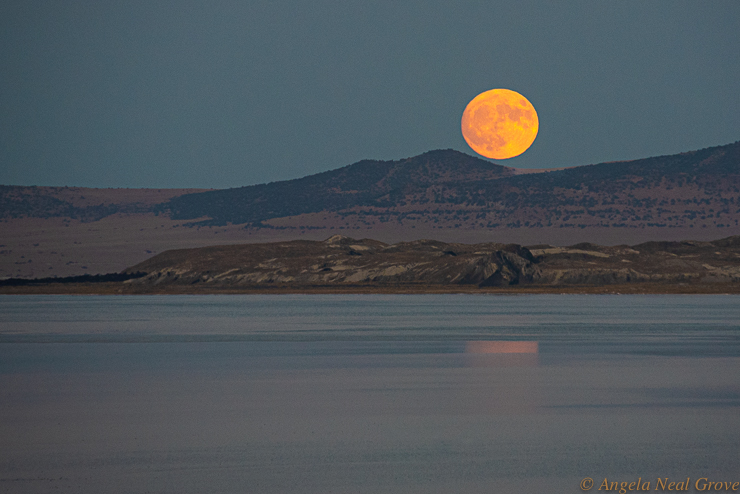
616, 289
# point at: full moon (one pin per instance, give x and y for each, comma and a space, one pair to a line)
500, 124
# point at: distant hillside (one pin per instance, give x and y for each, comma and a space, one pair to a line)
436, 190
448, 189
442, 195
366, 183
80, 203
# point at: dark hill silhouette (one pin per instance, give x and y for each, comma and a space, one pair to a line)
80, 203
703, 166
630, 189
362, 183
442, 195
453, 189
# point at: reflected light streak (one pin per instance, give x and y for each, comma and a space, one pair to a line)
493, 347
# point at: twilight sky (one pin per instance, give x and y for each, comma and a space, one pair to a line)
184, 93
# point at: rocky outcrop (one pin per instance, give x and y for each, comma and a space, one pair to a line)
343, 261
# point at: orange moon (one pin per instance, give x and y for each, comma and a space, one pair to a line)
500, 124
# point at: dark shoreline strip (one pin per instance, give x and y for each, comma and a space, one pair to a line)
85, 278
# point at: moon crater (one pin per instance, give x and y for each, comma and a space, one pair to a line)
499, 124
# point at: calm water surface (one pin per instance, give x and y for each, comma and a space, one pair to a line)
366, 394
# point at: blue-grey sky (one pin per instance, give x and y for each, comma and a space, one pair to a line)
184, 93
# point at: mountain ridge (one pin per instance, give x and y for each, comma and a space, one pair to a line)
449, 178
359, 183
443, 195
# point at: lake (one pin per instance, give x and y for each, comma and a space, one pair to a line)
366, 393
